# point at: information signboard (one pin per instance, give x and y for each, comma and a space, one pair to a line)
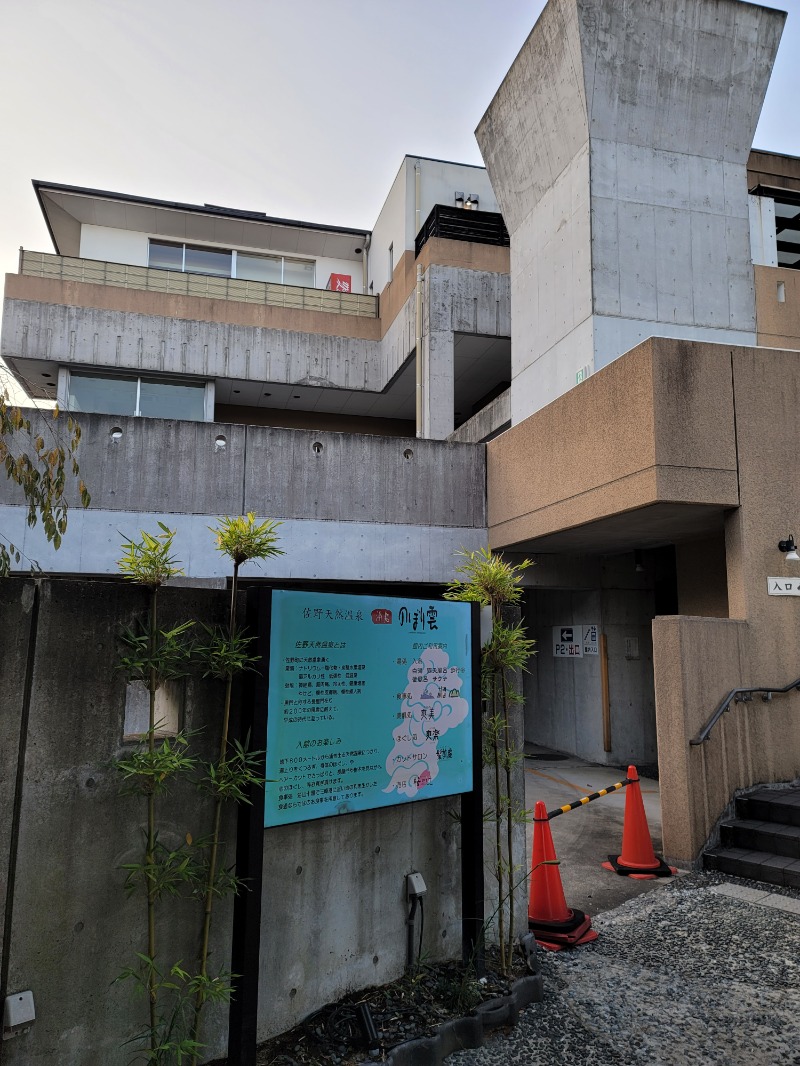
370, 703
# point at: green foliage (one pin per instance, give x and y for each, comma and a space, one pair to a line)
151, 768
193, 871
40, 469
485, 578
231, 777
242, 538
163, 656
222, 654
171, 872
149, 561
177, 989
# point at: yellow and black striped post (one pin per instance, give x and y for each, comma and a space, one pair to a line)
588, 799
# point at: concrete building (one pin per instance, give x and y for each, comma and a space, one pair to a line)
613, 395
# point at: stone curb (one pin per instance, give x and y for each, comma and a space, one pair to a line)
470, 1032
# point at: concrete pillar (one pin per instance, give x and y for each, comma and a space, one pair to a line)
438, 385
617, 147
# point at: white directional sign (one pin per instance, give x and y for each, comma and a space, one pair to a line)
567, 642
590, 639
782, 586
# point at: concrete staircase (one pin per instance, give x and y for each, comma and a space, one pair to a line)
762, 841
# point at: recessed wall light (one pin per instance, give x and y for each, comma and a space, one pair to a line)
267, 393
236, 392
296, 396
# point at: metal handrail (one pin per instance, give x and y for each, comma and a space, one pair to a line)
740, 695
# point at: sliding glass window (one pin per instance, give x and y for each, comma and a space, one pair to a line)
148, 397
224, 263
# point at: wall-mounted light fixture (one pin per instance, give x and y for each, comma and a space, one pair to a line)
638, 564
459, 199
790, 548
471, 202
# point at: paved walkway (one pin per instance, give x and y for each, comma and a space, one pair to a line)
588, 835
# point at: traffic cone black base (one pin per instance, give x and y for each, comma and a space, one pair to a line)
662, 870
574, 930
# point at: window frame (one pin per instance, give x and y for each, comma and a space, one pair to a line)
65, 390
234, 254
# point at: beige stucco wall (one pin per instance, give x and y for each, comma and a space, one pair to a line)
778, 321
702, 577
677, 422
654, 426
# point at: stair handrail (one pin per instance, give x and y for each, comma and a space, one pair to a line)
740, 695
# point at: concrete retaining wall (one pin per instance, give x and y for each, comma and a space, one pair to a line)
334, 906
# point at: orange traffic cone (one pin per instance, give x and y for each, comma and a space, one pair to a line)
638, 859
552, 922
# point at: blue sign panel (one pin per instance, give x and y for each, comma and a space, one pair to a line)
370, 703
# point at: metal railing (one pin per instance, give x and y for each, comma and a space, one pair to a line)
741, 695
457, 224
178, 283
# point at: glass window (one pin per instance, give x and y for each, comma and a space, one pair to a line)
160, 399
111, 396
208, 261
298, 272
165, 255
258, 267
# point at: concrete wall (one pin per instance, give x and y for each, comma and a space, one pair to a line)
334, 906
72, 324
618, 145
356, 507
563, 697
72, 928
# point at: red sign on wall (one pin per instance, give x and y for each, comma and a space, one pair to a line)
340, 283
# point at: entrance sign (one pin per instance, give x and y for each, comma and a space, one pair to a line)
591, 639
369, 705
782, 586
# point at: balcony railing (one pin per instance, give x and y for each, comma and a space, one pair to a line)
459, 224
178, 283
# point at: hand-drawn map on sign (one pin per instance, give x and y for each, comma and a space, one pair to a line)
370, 703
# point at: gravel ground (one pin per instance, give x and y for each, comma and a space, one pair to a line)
682, 974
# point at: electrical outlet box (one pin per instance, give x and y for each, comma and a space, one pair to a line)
18, 1014
415, 885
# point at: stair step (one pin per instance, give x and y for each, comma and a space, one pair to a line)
781, 806
755, 865
775, 838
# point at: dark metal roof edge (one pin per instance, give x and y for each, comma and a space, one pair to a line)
175, 205
776, 192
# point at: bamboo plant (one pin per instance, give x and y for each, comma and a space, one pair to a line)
153, 656
485, 578
224, 654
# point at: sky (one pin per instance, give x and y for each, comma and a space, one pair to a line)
299, 108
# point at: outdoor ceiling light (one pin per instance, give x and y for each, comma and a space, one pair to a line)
790, 548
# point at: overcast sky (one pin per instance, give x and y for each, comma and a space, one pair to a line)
299, 108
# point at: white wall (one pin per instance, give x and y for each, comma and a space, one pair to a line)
390, 228
397, 224
114, 245
440, 181
763, 236
131, 247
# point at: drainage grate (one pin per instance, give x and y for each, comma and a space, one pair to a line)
552, 757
